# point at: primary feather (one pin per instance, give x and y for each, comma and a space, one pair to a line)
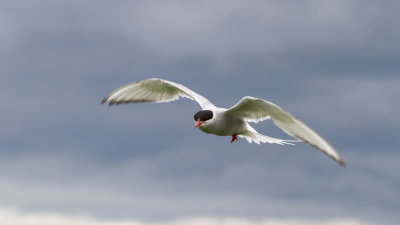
153, 90
255, 109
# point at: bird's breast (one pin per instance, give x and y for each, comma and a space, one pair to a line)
224, 126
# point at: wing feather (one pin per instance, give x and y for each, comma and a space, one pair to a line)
154, 90
254, 110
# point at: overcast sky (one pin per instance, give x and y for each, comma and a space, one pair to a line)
66, 159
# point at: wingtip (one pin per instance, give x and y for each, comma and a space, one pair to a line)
342, 163
105, 100
338, 159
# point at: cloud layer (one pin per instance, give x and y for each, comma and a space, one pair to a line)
332, 64
13, 217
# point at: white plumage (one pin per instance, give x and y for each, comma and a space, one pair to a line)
225, 122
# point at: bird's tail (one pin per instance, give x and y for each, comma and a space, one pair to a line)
252, 135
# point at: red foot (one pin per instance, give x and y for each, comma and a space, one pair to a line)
234, 137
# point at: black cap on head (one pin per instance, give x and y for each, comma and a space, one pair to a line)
203, 115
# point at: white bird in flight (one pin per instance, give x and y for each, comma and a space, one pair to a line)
221, 121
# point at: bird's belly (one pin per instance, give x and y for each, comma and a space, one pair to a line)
226, 127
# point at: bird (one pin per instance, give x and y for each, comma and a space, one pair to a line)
233, 121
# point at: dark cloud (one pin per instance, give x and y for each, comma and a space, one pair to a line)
332, 64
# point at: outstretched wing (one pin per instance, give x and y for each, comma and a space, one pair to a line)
154, 90
254, 110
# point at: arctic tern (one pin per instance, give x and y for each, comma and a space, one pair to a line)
221, 121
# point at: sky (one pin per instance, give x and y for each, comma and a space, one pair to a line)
67, 159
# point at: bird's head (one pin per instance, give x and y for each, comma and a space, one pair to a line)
202, 116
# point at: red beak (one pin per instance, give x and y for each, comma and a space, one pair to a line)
198, 123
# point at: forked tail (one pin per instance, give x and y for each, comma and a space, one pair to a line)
252, 135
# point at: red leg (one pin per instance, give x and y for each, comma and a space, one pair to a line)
234, 137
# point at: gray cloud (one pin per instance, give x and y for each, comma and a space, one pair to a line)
218, 29
12, 216
262, 184
331, 64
